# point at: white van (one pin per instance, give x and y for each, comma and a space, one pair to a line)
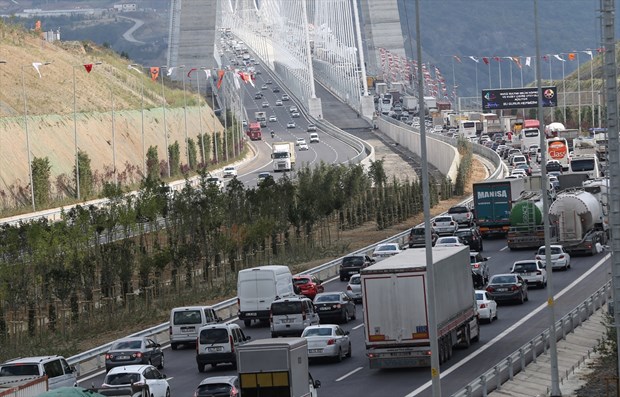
59, 372
185, 322
314, 137
218, 343
290, 316
258, 287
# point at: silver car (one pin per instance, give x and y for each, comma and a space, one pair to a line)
327, 341
445, 224
354, 288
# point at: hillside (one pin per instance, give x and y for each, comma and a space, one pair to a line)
49, 104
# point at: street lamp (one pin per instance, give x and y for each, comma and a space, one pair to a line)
135, 67
75, 137
202, 139
182, 67
113, 141
2, 62
163, 103
26, 127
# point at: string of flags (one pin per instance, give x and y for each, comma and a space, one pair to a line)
563, 57
239, 76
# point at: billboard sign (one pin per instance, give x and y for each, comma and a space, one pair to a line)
518, 98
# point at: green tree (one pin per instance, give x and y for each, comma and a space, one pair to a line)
86, 174
193, 156
152, 163
175, 159
205, 142
41, 180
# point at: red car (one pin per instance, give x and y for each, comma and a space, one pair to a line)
308, 285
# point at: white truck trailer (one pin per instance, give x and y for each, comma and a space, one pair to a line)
283, 156
275, 367
396, 309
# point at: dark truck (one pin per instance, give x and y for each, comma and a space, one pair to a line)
493, 202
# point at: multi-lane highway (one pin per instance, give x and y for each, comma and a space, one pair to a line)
516, 325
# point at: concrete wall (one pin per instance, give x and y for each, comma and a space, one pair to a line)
440, 154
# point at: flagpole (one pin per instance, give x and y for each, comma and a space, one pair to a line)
477, 92
511, 85
28, 140
499, 67
456, 103
182, 67
2, 62
214, 131
202, 139
592, 86
564, 90
489, 65
163, 104
578, 89
113, 141
521, 69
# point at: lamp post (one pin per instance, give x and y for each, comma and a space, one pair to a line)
135, 67
182, 67
26, 130
213, 112
2, 62
202, 139
75, 136
113, 141
163, 104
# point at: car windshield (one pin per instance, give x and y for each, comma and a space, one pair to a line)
449, 240
503, 280
554, 251
283, 308
525, 267
443, 219
386, 248
214, 335
127, 344
327, 298
20, 370
479, 296
418, 231
187, 317
214, 389
301, 281
352, 261
125, 378
355, 280
463, 233
458, 210
318, 332
474, 259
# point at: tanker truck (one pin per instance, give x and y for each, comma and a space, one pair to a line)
527, 228
580, 219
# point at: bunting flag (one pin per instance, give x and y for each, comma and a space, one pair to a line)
190, 72
600, 50
130, 66
559, 58
498, 59
36, 66
545, 58
220, 78
571, 56
88, 67
207, 73
458, 59
154, 72
474, 59
170, 71
528, 61
589, 53
517, 60
485, 60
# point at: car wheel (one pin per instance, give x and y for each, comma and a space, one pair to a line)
496, 314
168, 392
247, 323
213, 365
339, 357
201, 368
174, 346
354, 315
345, 317
527, 298
161, 362
490, 316
349, 353
481, 249
341, 278
521, 299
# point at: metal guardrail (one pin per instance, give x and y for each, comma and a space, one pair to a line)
93, 359
506, 369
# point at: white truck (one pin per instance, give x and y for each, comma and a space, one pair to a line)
430, 104
410, 103
283, 155
396, 310
275, 367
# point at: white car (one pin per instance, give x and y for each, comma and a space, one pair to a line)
303, 146
487, 307
386, 250
445, 224
273, 118
314, 137
279, 102
519, 173
139, 374
290, 124
354, 288
230, 172
449, 241
300, 141
560, 259
532, 271
263, 176
215, 181
327, 340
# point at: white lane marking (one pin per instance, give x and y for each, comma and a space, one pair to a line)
510, 329
504, 249
358, 326
349, 374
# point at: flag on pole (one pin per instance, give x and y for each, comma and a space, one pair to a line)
589, 53
559, 58
190, 71
528, 61
517, 60
498, 59
458, 59
36, 66
88, 67
474, 59
545, 58
207, 73
485, 60
154, 73
571, 56
130, 66
170, 71
220, 77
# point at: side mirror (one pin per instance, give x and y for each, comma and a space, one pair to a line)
157, 345
485, 259
248, 337
317, 384
219, 319
346, 332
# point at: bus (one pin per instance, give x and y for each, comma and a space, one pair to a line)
385, 103
557, 149
468, 128
585, 164
529, 137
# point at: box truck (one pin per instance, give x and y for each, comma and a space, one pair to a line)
396, 307
493, 202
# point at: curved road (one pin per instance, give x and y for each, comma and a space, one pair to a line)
128, 35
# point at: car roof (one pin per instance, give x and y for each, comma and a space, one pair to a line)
129, 368
218, 379
30, 360
526, 261
332, 326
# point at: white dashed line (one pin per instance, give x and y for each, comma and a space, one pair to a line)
349, 374
358, 326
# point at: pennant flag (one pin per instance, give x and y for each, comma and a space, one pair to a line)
207, 73
220, 77
190, 71
88, 67
545, 58
571, 56
517, 60
498, 59
475, 59
485, 60
154, 73
170, 70
600, 50
589, 53
457, 58
36, 66
130, 66
559, 58
528, 61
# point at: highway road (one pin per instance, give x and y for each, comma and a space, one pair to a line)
516, 325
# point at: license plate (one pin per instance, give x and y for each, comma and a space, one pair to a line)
250, 314
315, 350
323, 308
502, 289
214, 349
123, 357
188, 329
287, 320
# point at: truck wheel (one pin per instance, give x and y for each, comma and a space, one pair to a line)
467, 342
354, 316
442, 350
247, 323
201, 368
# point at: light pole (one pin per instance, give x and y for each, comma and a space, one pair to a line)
214, 131
26, 128
182, 67
2, 62
163, 104
202, 139
113, 141
135, 67
75, 136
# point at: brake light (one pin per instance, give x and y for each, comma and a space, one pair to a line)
451, 223
476, 265
349, 288
538, 258
338, 306
538, 272
483, 305
514, 288
234, 392
138, 354
561, 257
108, 356
270, 317
331, 342
468, 215
232, 345
490, 289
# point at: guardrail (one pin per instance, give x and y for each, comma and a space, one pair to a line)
506, 369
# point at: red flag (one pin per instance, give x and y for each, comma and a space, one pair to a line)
545, 58
457, 58
220, 77
154, 73
485, 60
571, 56
88, 67
498, 59
190, 71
